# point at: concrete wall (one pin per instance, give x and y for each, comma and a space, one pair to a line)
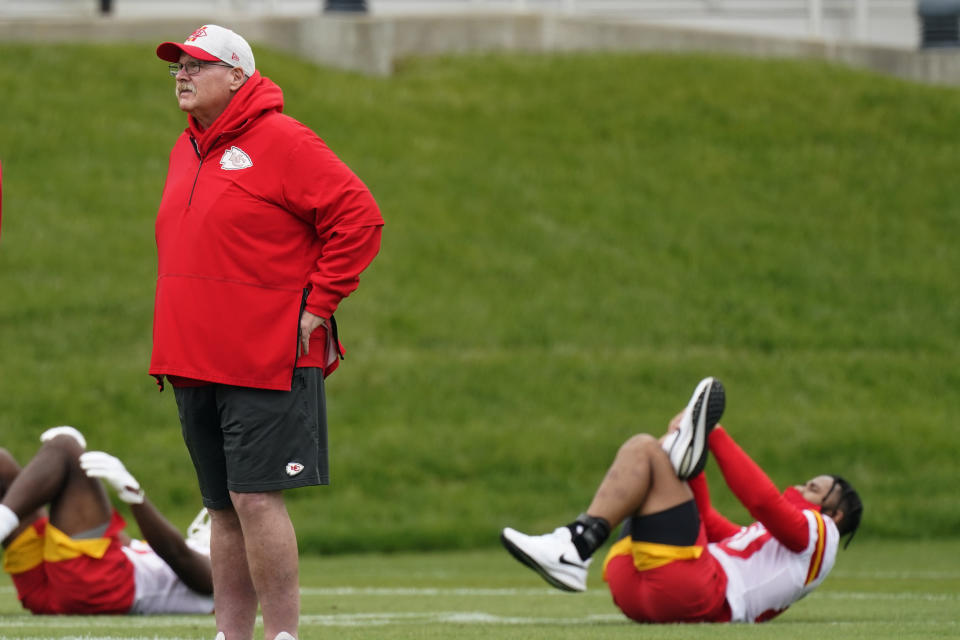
374, 44
878, 22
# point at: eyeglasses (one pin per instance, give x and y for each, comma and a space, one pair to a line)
193, 67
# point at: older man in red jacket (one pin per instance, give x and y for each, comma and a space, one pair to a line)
261, 232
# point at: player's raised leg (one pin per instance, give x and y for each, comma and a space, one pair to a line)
10, 524
640, 480
54, 477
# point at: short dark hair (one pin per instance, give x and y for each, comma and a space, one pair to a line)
850, 504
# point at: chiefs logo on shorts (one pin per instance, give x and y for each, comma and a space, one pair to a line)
293, 468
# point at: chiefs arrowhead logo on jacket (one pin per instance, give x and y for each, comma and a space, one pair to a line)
235, 158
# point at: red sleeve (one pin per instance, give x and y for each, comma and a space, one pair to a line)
345, 256
757, 492
320, 189
716, 525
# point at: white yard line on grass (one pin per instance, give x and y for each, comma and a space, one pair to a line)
89, 637
372, 619
869, 595
447, 617
419, 592
439, 591
27, 621
899, 575
381, 618
343, 620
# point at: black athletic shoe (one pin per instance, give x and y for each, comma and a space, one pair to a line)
688, 447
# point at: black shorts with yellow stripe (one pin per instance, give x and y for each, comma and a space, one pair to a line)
660, 538
678, 526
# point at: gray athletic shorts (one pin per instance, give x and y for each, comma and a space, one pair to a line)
255, 440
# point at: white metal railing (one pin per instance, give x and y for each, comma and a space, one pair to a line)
878, 21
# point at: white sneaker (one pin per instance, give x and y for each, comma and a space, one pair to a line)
283, 635
220, 636
553, 556
688, 447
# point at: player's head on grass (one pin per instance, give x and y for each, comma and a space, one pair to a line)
847, 503
837, 499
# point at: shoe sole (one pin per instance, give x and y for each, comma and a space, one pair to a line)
517, 553
713, 398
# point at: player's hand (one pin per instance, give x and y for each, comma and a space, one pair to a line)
675, 423
672, 427
308, 324
100, 464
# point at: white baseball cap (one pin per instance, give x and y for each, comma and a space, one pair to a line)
211, 43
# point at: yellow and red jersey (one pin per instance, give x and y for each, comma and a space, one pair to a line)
731, 573
778, 559
56, 574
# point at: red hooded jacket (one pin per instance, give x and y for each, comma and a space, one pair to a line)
258, 220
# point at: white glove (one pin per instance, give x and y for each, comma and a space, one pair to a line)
198, 533
100, 464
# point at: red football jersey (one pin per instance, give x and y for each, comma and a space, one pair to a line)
775, 561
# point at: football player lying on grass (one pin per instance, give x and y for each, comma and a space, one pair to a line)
77, 559
678, 559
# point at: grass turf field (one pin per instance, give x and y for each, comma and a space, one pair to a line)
572, 241
878, 590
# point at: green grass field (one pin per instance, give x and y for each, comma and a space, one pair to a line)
878, 591
572, 242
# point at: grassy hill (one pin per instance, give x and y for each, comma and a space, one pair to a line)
572, 242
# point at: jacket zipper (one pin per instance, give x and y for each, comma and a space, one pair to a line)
196, 178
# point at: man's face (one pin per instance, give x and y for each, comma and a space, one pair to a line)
205, 94
815, 490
